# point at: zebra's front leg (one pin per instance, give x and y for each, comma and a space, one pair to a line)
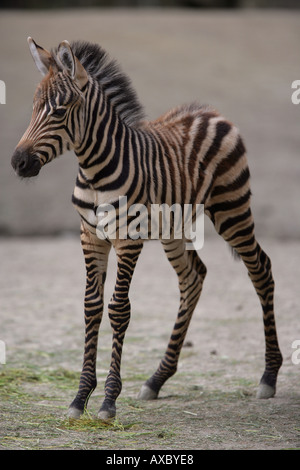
127, 252
96, 256
191, 273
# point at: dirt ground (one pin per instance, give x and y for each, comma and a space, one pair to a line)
209, 404
243, 63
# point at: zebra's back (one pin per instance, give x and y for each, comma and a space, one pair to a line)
196, 152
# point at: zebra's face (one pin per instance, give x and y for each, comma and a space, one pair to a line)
55, 123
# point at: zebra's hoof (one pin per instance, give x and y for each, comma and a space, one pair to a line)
74, 413
107, 411
146, 393
265, 391
106, 415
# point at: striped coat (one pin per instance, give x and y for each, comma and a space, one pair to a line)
189, 156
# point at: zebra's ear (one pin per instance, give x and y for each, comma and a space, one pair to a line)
41, 57
66, 58
71, 64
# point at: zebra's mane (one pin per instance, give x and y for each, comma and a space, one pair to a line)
115, 84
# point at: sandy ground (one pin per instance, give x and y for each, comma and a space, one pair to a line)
209, 404
243, 64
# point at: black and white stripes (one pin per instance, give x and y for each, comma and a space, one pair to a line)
189, 156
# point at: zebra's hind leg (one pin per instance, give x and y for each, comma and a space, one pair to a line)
237, 228
191, 273
127, 252
260, 273
96, 254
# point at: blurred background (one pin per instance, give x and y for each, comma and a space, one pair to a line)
151, 3
240, 56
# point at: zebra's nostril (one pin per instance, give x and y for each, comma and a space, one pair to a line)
24, 164
18, 160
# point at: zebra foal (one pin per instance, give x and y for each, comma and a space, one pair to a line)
190, 155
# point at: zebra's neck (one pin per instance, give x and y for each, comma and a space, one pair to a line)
105, 134
107, 151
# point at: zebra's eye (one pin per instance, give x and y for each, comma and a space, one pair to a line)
59, 112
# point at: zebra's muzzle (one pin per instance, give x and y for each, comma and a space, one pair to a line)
24, 164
